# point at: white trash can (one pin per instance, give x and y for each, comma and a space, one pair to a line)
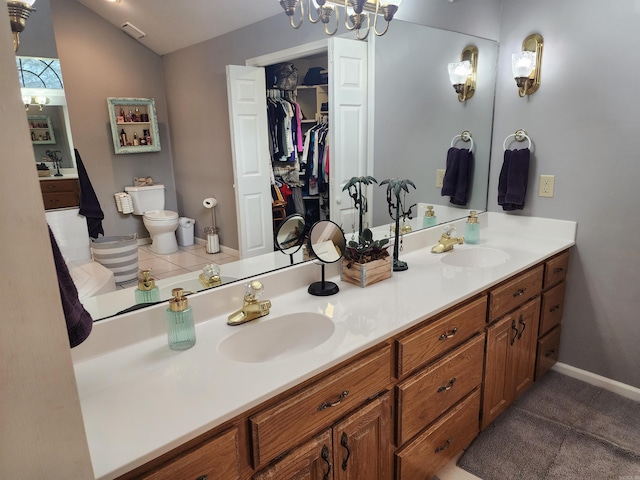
185, 231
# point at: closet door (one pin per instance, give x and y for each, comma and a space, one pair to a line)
348, 123
251, 161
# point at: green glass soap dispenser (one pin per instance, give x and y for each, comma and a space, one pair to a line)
472, 228
181, 330
429, 219
147, 291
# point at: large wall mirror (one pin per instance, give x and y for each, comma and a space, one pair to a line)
417, 114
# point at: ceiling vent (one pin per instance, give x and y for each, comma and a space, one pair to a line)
130, 29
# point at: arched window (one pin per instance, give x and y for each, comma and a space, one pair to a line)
39, 72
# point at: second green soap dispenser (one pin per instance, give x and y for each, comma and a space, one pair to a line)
472, 228
181, 329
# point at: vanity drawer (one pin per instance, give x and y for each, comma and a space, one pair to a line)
216, 458
423, 397
60, 193
53, 186
548, 349
432, 450
297, 418
515, 292
429, 342
552, 308
556, 269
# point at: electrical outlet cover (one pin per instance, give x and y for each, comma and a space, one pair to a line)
439, 177
547, 183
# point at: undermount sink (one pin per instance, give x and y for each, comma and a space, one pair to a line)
476, 257
277, 338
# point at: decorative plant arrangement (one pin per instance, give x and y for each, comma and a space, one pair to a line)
397, 211
366, 261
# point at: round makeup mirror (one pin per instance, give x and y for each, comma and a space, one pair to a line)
327, 244
289, 237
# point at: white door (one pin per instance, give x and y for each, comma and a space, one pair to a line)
348, 124
251, 161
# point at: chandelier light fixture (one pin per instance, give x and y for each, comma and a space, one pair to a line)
19, 11
356, 14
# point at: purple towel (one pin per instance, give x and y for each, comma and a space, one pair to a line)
89, 204
514, 176
457, 178
79, 322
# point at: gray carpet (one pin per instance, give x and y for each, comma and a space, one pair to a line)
560, 429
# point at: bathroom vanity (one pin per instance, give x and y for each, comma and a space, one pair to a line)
402, 377
61, 192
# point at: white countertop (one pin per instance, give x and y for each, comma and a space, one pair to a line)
140, 399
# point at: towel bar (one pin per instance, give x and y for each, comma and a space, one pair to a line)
465, 136
519, 136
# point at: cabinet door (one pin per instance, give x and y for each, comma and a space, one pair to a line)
311, 461
523, 354
496, 396
362, 443
510, 359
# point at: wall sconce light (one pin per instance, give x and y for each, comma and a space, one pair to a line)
356, 12
527, 65
19, 11
463, 73
39, 100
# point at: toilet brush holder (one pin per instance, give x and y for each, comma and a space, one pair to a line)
213, 242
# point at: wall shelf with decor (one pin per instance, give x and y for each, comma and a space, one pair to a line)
41, 129
134, 125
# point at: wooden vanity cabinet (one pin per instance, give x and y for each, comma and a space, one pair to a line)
60, 193
217, 458
555, 275
293, 420
357, 447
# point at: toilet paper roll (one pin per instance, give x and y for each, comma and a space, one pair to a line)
209, 202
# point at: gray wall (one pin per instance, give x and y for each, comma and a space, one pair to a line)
584, 123
99, 61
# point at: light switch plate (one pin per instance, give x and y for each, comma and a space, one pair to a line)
547, 183
439, 177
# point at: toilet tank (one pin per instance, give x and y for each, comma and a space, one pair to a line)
146, 199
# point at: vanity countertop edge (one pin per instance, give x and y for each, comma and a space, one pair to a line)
140, 399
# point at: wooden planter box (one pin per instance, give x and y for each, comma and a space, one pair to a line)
363, 274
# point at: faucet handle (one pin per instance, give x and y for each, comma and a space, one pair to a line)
450, 230
253, 290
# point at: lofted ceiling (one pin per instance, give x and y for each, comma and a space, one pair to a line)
170, 25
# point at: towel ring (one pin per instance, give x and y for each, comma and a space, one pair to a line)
519, 136
465, 136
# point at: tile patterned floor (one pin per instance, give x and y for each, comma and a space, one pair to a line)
185, 260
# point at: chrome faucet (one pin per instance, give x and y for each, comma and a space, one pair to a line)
252, 308
447, 240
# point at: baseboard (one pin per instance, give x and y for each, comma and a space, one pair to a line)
144, 241
614, 386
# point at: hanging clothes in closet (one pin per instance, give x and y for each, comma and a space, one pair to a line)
315, 158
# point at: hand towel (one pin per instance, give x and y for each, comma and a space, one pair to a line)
450, 180
465, 174
79, 322
514, 177
89, 204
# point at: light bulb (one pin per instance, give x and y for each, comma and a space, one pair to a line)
523, 63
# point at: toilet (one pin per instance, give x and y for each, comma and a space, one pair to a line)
148, 201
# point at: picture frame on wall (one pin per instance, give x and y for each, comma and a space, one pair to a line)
134, 125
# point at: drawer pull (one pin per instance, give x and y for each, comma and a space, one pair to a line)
446, 335
513, 327
445, 446
519, 292
448, 386
554, 308
344, 441
549, 353
558, 270
333, 404
202, 477
325, 457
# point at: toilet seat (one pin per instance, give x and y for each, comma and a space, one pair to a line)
160, 215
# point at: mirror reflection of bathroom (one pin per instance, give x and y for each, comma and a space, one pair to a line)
289, 236
326, 244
